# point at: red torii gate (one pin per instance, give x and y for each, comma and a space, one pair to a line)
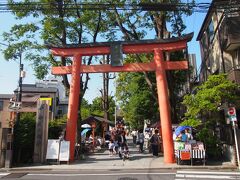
158, 65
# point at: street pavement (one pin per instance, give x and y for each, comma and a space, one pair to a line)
206, 175
100, 160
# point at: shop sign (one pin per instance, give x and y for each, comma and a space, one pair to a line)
232, 111
185, 155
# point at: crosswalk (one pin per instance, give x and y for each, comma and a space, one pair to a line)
2, 174
206, 175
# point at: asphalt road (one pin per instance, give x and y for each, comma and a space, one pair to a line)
92, 175
122, 175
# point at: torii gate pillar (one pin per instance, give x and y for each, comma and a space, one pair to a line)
164, 107
71, 128
158, 65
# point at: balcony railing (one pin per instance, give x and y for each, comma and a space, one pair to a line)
230, 33
234, 75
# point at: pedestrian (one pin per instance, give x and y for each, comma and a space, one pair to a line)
134, 135
122, 141
140, 140
147, 137
155, 140
184, 137
189, 135
111, 147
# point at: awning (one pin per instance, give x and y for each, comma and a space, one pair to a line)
92, 119
86, 126
84, 131
181, 128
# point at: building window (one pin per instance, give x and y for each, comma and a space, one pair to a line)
236, 58
1, 105
205, 43
211, 31
60, 112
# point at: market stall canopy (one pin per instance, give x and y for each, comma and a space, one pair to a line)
96, 119
85, 131
181, 128
86, 126
157, 125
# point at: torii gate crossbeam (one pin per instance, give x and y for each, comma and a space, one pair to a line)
157, 47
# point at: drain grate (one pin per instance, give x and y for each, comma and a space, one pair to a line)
14, 175
127, 178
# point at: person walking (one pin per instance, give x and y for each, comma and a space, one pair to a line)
189, 135
184, 137
140, 140
154, 140
134, 135
111, 147
122, 142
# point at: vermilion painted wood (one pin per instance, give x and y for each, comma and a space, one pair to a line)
127, 49
73, 103
164, 107
133, 67
158, 65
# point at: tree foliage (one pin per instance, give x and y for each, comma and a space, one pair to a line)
24, 133
193, 122
203, 106
56, 127
211, 95
57, 22
96, 108
85, 109
61, 23
135, 97
136, 25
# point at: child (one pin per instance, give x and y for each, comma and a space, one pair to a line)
115, 149
124, 152
110, 147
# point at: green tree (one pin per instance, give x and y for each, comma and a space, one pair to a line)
135, 25
56, 127
203, 107
97, 108
85, 109
65, 21
24, 138
57, 22
135, 97
210, 96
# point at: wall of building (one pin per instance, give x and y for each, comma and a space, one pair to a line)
4, 124
214, 58
5, 114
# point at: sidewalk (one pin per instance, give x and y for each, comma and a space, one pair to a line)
101, 160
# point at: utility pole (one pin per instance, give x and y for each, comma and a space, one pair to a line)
15, 107
19, 101
19, 93
115, 117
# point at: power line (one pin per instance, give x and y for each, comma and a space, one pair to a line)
199, 7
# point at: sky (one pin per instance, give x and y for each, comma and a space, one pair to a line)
9, 71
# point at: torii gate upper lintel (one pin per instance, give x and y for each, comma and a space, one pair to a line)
158, 65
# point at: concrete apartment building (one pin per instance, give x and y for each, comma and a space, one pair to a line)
32, 94
4, 125
219, 39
